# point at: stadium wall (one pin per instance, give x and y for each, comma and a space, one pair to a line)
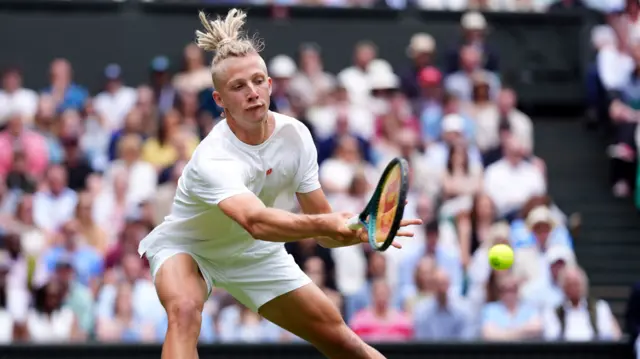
545, 69
405, 351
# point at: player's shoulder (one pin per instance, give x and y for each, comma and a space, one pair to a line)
291, 126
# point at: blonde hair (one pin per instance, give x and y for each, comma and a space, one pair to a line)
226, 38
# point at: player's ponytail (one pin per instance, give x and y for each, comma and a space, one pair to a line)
225, 36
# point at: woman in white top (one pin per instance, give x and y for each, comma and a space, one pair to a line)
49, 321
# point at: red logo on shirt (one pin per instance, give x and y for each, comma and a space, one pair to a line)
269, 171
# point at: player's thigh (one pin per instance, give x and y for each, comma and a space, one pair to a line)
180, 284
308, 313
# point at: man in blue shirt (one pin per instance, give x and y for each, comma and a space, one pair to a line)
67, 94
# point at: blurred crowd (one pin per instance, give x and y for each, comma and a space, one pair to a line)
86, 176
614, 94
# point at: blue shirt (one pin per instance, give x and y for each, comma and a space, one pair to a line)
522, 237
497, 314
446, 260
434, 322
87, 262
74, 98
431, 123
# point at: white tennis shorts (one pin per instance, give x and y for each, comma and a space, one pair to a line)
252, 280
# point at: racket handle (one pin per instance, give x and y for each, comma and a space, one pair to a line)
354, 223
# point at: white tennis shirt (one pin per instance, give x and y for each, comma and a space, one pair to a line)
222, 166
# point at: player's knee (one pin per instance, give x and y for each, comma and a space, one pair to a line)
185, 315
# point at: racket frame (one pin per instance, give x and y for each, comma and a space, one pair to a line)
371, 210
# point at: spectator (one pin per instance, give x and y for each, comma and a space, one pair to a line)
632, 318
315, 268
142, 177
425, 284
356, 78
195, 75
510, 319
420, 51
15, 98
65, 93
479, 270
441, 317
461, 81
124, 326
160, 78
380, 322
6, 318
432, 121
95, 236
49, 321
530, 264
133, 125
116, 101
239, 324
77, 167
437, 153
160, 151
166, 191
56, 204
17, 279
511, 181
306, 249
19, 180
395, 118
474, 29
311, 84
95, 138
580, 317
87, 262
429, 103
521, 235
360, 298
548, 294
76, 296
343, 127
111, 205
337, 172
445, 258
474, 227
17, 138
460, 180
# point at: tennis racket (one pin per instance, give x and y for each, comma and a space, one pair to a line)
385, 209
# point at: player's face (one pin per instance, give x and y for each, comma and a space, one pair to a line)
243, 89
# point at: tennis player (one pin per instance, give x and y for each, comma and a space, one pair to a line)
223, 231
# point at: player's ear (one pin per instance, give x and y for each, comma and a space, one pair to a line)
270, 82
218, 99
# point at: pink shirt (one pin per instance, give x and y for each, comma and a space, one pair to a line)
35, 148
395, 327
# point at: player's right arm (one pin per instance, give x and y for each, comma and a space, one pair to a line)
274, 225
220, 180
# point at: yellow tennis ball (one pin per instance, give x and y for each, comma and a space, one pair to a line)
501, 257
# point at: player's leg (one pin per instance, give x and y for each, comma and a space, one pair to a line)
182, 291
308, 313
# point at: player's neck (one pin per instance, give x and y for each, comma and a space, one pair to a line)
256, 134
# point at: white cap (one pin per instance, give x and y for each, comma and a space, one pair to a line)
452, 123
383, 80
379, 66
540, 214
560, 253
473, 21
421, 43
282, 66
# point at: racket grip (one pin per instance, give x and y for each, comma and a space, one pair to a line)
354, 223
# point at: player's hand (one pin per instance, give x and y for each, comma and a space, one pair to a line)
348, 237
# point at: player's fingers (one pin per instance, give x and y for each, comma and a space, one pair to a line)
404, 234
396, 245
410, 222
